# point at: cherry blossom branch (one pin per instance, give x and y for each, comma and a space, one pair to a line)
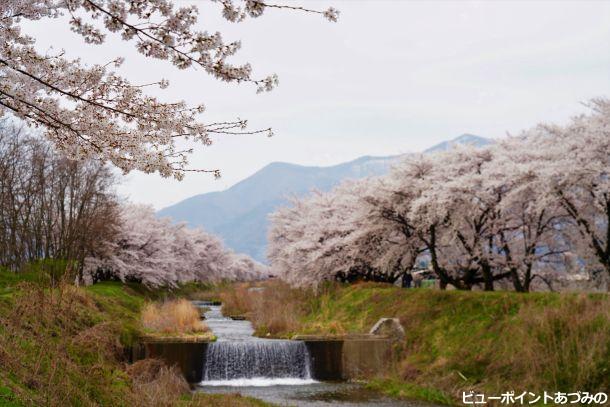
331, 13
90, 112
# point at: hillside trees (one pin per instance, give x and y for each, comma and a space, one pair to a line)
92, 111
527, 207
51, 207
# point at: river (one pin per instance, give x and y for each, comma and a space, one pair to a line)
276, 371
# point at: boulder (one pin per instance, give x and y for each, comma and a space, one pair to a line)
390, 327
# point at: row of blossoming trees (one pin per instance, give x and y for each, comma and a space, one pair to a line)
157, 252
55, 208
537, 205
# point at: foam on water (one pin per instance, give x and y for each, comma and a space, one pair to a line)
258, 382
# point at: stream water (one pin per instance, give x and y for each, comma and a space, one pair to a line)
276, 371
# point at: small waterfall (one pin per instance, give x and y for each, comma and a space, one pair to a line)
257, 359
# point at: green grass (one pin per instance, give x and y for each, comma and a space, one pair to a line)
198, 291
223, 400
58, 347
402, 390
63, 345
10, 280
455, 340
7, 398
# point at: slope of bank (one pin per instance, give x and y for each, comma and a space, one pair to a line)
491, 342
65, 346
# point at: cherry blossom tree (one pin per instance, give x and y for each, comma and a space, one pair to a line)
472, 215
459, 201
242, 267
529, 233
93, 112
332, 236
299, 235
142, 249
422, 201
576, 174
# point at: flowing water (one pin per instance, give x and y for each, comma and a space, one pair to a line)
277, 371
226, 361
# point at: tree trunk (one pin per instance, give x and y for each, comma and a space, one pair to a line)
514, 275
487, 276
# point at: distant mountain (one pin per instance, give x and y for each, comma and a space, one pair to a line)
239, 213
469, 139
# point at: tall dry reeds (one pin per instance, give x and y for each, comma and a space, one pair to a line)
237, 300
174, 316
273, 308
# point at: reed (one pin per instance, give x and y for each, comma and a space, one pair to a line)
273, 308
175, 316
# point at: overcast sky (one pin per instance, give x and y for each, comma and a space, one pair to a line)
388, 78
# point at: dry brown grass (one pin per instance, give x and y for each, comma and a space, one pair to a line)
155, 384
237, 300
174, 316
273, 308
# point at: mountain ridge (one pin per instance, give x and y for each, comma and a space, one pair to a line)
238, 214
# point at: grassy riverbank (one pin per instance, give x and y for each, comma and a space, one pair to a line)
65, 346
487, 341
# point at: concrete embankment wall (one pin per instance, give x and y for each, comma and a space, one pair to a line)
344, 358
189, 357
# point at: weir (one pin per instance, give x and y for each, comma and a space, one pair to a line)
239, 358
256, 359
